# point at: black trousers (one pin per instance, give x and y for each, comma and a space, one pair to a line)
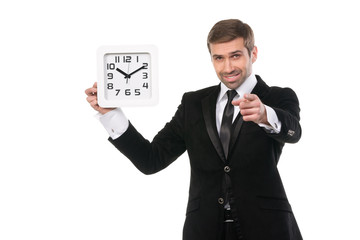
229, 230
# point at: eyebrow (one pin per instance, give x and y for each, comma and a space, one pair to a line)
237, 51
231, 53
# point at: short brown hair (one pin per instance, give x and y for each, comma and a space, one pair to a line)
228, 30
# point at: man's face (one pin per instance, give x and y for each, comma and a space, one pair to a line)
232, 62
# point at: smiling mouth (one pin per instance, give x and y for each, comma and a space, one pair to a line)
230, 77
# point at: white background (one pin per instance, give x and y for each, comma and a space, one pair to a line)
61, 179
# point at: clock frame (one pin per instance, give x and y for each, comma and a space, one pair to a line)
127, 75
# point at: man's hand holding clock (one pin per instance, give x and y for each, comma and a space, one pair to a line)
93, 100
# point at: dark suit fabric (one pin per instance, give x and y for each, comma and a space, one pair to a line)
257, 196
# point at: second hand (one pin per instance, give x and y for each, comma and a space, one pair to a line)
127, 79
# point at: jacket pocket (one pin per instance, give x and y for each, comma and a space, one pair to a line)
278, 204
193, 205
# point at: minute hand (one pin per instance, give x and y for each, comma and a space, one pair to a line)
136, 70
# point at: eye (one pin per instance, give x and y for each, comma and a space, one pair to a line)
236, 56
218, 58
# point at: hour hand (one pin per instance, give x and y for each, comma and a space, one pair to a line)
123, 73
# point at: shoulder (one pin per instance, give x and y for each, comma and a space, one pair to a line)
273, 93
282, 93
201, 93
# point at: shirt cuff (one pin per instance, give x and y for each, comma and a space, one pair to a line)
275, 124
115, 122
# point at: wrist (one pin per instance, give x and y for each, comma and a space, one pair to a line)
263, 116
105, 110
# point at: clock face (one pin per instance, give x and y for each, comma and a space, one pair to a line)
127, 76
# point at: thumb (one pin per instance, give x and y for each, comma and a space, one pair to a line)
237, 102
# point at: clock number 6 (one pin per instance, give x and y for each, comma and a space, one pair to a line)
128, 92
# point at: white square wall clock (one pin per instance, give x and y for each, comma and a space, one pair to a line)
127, 75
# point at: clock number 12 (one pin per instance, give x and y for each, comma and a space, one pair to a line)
126, 59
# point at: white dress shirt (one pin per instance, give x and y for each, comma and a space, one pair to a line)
116, 123
246, 87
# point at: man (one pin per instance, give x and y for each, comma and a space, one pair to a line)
234, 140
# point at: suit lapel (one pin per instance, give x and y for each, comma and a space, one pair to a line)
260, 89
236, 130
209, 113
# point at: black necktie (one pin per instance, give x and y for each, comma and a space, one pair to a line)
225, 130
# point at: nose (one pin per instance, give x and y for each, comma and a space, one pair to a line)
228, 66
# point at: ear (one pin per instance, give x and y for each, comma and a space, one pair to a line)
254, 54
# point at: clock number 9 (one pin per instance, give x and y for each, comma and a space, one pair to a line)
110, 76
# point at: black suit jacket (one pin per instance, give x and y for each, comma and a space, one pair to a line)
257, 196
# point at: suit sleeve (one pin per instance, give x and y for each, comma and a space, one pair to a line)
288, 112
151, 157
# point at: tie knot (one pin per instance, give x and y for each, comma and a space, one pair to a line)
231, 94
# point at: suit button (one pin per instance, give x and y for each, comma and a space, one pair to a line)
221, 201
227, 169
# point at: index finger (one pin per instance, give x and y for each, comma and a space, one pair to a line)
91, 91
250, 97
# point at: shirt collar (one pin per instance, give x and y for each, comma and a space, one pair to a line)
246, 87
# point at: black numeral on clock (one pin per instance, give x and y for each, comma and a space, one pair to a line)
127, 59
128, 92
110, 66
